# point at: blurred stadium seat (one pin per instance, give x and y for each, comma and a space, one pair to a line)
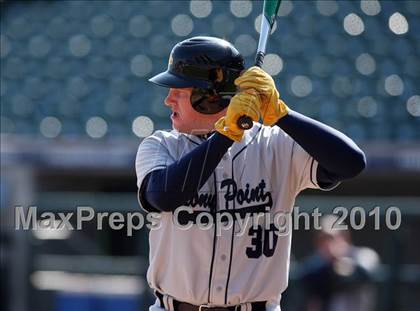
74, 60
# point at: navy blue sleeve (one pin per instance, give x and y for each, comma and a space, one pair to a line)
168, 188
337, 155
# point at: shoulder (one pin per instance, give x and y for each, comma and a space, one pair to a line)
161, 137
169, 142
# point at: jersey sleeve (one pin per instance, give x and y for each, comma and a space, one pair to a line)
304, 170
302, 167
152, 155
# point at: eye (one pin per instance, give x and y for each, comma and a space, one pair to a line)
176, 93
184, 93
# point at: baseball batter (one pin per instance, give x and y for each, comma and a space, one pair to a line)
207, 165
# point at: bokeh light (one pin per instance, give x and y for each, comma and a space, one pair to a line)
182, 25
222, 25
102, 25
142, 126
342, 86
273, 64
241, 8
286, 7
370, 7
96, 127
140, 26
301, 86
398, 23
79, 45
353, 24
39, 46
141, 65
50, 127
365, 64
246, 44
201, 8
58, 27
327, 7
413, 105
18, 28
321, 66
394, 86
160, 46
367, 107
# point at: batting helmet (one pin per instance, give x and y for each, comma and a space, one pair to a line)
209, 65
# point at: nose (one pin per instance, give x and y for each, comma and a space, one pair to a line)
170, 99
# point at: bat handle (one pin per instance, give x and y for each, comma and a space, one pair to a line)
245, 122
259, 59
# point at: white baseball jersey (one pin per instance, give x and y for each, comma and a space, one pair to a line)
262, 173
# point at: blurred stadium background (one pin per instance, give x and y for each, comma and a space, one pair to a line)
75, 104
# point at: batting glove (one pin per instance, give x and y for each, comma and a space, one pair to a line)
272, 107
247, 103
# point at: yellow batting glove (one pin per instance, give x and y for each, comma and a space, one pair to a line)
272, 108
246, 103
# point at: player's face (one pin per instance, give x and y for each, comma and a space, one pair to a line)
184, 118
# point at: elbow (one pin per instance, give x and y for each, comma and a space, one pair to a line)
361, 162
357, 164
152, 196
158, 202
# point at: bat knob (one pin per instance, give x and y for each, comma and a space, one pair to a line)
244, 123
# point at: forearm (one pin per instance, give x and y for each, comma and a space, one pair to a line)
168, 188
334, 151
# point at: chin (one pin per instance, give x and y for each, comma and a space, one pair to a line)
180, 129
197, 130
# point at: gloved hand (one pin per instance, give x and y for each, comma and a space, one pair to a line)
272, 108
246, 102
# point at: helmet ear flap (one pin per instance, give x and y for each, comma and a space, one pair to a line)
208, 101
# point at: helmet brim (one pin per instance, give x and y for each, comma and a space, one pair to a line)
171, 80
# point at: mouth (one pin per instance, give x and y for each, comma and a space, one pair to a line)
174, 115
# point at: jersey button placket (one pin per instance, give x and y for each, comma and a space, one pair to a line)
222, 251
221, 264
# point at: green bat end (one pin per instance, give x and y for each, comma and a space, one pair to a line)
271, 7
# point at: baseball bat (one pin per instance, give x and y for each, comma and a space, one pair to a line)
270, 10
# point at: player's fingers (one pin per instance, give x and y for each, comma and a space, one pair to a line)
258, 87
249, 79
246, 103
249, 82
255, 73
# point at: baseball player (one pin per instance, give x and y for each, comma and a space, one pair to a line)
207, 165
